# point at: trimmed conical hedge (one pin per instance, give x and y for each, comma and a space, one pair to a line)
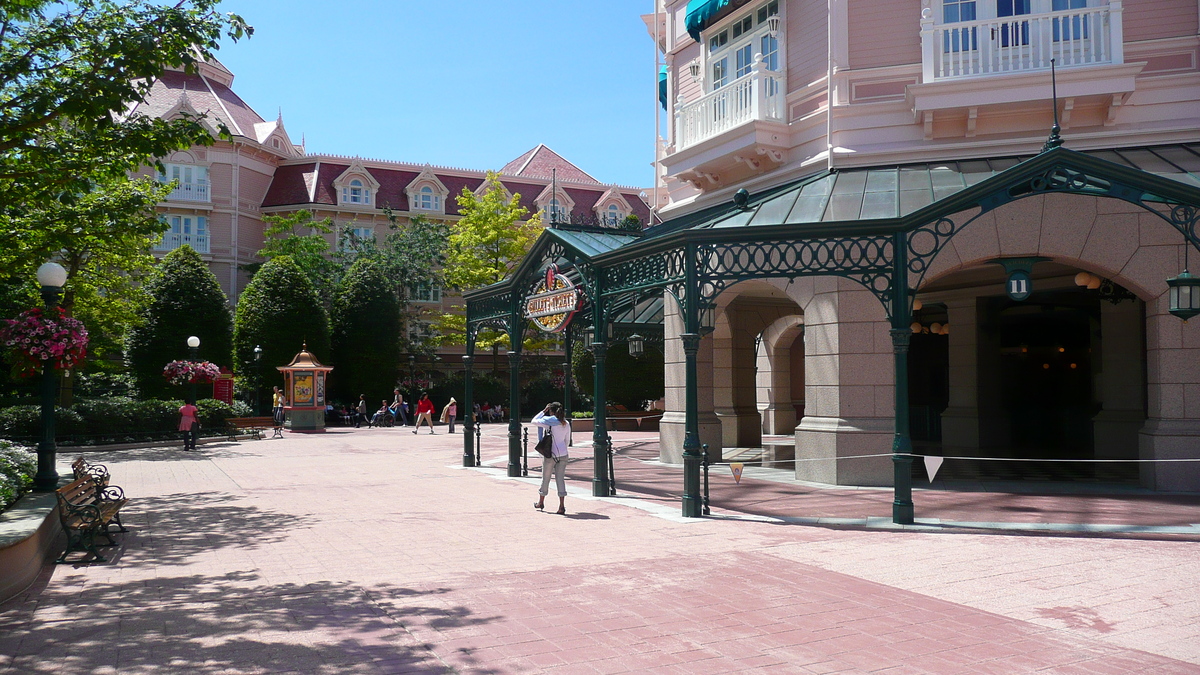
366, 349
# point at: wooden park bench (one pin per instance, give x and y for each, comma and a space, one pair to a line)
88, 509
256, 424
81, 467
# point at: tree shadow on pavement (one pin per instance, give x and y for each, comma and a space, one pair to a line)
229, 623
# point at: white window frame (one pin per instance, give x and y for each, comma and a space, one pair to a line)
555, 207
425, 292
726, 58
356, 192
425, 198
183, 229
193, 184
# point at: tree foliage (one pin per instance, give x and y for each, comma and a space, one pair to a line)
279, 310
365, 343
628, 381
282, 236
185, 300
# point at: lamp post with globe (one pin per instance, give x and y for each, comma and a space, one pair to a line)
51, 277
193, 344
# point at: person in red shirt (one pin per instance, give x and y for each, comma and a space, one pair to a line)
424, 412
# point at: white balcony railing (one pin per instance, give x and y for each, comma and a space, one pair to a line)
1027, 42
173, 240
757, 95
190, 192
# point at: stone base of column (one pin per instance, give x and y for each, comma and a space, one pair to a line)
1115, 433
1170, 439
740, 429
670, 437
778, 419
833, 438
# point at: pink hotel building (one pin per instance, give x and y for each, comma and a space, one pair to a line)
857, 110
225, 189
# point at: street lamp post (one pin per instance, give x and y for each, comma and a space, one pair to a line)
257, 378
412, 376
193, 344
52, 277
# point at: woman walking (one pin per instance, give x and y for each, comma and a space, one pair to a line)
555, 422
449, 413
188, 424
424, 412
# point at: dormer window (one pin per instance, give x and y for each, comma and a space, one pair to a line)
428, 200
356, 193
556, 212
612, 215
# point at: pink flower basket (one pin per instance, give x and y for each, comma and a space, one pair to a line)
37, 338
191, 372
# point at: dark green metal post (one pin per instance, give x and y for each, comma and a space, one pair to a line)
46, 478
902, 504
600, 418
514, 401
468, 403
567, 373
693, 501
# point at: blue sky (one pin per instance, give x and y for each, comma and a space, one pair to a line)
470, 84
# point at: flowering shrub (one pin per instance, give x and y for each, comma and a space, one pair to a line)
189, 372
17, 468
36, 338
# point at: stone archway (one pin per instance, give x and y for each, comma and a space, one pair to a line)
781, 375
1135, 249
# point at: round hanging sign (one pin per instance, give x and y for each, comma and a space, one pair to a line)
554, 301
1019, 285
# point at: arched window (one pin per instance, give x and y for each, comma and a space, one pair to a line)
356, 193
555, 211
427, 200
612, 217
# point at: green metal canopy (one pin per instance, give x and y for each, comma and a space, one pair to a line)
700, 13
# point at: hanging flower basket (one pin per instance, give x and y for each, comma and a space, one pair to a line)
38, 338
191, 372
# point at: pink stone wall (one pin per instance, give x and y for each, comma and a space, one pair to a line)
807, 36
1154, 19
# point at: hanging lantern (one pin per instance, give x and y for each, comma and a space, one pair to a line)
773, 25
915, 327
636, 345
1185, 295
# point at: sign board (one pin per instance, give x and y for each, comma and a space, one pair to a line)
554, 301
1019, 285
223, 388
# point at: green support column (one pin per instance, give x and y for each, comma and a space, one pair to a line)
902, 504
468, 405
693, 503
514, 406
567, 373
599, 417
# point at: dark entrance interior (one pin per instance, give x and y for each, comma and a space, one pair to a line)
1042, 360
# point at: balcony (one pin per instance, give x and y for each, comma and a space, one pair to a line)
190, 192
756, 96
1023, 43
173, 240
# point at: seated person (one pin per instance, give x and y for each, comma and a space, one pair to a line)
485, 412
498, 413
379, 416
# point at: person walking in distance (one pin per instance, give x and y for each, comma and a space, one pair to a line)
424, 413
554, 420
188, 424
398, 409
277, 407
360, 411
449, 413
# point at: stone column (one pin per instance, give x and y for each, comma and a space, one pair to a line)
1172, 428
734, 367
671, 427
848, 387
1122, 382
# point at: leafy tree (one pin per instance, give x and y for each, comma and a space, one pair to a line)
628, 381
282, 236
185, 300
365, 343
68, 74
279, 310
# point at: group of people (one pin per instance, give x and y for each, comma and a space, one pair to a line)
489, 413
397, 412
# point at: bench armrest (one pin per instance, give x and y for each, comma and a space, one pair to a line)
112, 493
88, 514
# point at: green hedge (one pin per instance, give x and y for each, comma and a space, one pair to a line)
18, 465
115, 420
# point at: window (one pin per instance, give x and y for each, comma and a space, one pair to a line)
612, 215
428, 200
425, 292
738, 43
419, 331
964, 39
181, 230
1073, 28
555, 211
191, 182
356, 193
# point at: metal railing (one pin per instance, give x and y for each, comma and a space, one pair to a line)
1022, 43
190, 192
173, 240
757, 95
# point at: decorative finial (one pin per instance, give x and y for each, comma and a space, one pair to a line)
1055, 140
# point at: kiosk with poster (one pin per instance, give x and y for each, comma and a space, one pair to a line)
304, 388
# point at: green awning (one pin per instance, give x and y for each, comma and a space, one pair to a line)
662, 86
700, 13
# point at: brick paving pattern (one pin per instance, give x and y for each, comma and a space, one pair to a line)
371, 551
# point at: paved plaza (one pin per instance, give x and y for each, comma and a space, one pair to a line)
373, 551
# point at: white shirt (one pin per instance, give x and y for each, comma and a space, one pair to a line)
560, 431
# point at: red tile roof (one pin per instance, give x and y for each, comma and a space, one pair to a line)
289, 185
225, 106
542, 162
